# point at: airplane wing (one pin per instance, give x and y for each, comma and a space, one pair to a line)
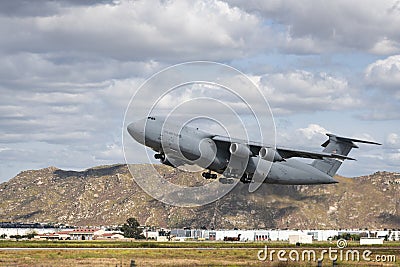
285, 153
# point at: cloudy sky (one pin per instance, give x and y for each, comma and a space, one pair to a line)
68, 69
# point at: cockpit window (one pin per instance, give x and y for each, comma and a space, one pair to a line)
151, 118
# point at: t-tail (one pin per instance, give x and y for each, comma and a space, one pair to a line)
336, 145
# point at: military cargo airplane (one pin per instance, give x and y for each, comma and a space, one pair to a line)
241, 159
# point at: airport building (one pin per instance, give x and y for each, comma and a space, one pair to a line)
277, 235
44, 231
50, 232
8, 229
82, 234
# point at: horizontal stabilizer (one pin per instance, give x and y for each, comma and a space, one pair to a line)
347, 140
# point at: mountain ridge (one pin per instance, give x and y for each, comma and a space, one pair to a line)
108, 195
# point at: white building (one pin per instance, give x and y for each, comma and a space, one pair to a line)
300, 239
25, 231
278, 235
85, 234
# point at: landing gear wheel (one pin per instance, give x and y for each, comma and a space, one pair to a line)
209, 175
246, 179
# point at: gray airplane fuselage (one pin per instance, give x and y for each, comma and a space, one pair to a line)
185, 145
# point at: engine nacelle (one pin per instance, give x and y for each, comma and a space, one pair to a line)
240, 150
270, 154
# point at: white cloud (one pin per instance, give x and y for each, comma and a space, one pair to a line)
304, 91
316, 26
393, 140
309, 138
382, 77
386, 47
140, 30
65, 72
300, 45
384, 73
311, 131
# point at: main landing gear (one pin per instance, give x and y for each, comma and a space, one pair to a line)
159, 156
209, 175
246, 179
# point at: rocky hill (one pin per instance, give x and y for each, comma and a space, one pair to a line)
108, 195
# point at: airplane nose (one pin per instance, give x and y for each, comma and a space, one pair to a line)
136, 130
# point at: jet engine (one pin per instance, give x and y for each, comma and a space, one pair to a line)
270, 154
240, 150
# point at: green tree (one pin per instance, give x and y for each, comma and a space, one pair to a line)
31, 234
131, 229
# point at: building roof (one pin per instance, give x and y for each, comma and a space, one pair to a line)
84, 231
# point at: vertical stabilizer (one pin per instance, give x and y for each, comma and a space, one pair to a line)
336, 145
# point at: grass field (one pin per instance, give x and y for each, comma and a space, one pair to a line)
108, 253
